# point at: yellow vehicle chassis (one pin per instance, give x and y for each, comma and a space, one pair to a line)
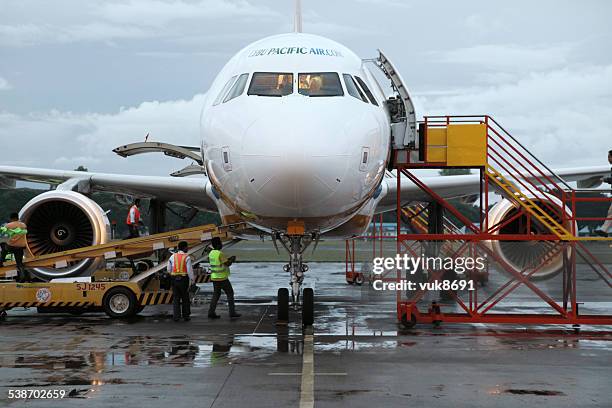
119, 292
80, 294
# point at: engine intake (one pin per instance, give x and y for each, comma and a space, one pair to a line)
60, 221
527, 255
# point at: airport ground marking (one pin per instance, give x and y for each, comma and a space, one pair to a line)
231, 371
260, 320
316, 374
307, 387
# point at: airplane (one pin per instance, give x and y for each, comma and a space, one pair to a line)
296, 137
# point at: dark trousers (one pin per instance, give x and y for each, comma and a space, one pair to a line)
134, 232
226, 287
180, 292
22, 275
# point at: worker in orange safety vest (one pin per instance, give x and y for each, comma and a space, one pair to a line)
180, 269
133, 219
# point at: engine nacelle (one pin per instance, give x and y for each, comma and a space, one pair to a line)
60, 221
522, 254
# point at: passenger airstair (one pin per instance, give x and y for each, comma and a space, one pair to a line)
480, 143
546, 213
416, 215
522, 200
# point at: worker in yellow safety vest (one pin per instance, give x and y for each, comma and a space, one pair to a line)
180, 269
220, 272
16, 230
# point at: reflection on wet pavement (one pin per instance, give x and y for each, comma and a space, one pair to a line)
103, 360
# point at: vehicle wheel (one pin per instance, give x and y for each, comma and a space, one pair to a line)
359, 279
2, 315
408, 324
119, 302
282, 312
308, 307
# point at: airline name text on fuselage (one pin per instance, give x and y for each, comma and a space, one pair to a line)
296, 50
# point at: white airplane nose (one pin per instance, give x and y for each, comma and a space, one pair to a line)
293, 163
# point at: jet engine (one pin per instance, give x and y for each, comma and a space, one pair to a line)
60, 221
528, 255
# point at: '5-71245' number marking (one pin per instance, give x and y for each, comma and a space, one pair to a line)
91, 286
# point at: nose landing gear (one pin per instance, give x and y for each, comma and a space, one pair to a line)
295, 245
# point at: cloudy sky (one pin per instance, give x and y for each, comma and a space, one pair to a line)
78, 78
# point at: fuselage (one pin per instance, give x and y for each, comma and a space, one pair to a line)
294, 128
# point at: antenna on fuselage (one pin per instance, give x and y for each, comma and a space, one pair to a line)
297, 19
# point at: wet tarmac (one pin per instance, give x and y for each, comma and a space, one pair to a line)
358, 356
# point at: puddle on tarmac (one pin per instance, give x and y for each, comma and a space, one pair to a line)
545, 393
174, 351
356, 344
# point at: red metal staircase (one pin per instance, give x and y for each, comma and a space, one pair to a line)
544, 201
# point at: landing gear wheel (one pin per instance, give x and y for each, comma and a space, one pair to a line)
308, 307
358, 279
119, 302
282, 309
408, 324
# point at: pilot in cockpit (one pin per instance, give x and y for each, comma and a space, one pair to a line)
315, 84
285, 86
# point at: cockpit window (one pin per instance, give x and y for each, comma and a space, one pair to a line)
320, 84
353, 89
224, 90
367, 91
271, 84
238, 88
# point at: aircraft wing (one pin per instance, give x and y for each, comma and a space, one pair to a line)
190, 191
469, 185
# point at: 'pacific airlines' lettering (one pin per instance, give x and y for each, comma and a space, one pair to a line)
297, 51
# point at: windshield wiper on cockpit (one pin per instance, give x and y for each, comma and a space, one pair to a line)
276, 96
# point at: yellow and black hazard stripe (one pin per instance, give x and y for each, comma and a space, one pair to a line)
165, 297
205, 278
9, 305
155, 298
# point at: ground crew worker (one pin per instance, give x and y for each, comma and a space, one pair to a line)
219, 266
16, 244
180, 269
608, 223
133, 219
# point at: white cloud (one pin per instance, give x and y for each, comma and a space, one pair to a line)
66, 140
387, 3
513, 57
484, 24
180, 54
4, 84
564, 115
158, 13
30, 34
107, 21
